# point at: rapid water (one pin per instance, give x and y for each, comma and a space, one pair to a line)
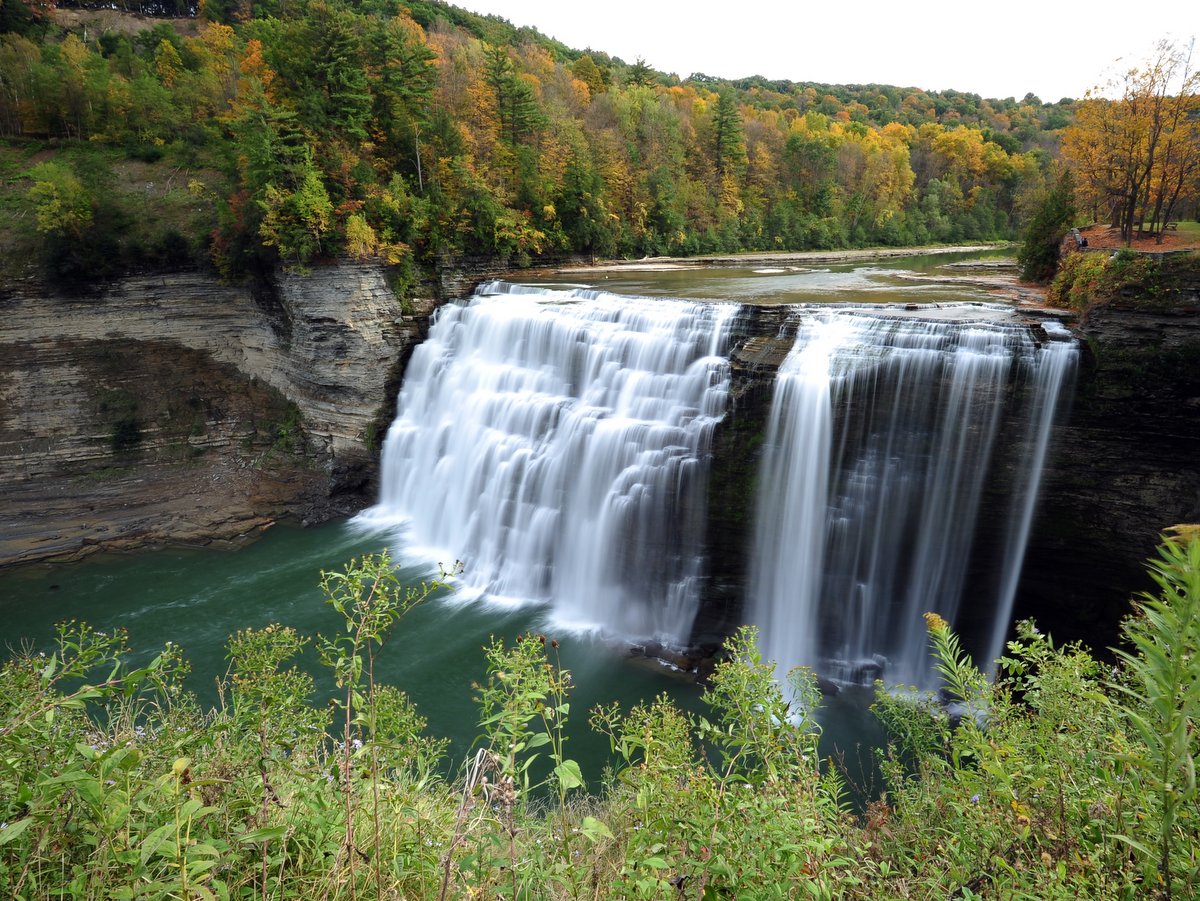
881, 443
554, 442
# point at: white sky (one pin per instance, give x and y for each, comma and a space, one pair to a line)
996, 48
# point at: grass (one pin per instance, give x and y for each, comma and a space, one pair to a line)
1188, 230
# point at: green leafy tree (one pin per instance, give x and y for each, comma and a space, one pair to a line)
516, 105
297, 220
62, 205
1052, 219
729, 147
640, 75
403, 80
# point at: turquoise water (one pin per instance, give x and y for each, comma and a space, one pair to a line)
197, 598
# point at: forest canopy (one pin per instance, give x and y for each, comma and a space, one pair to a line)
410, 129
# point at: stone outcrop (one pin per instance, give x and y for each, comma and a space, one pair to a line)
1126, 466
762, 338
176, 408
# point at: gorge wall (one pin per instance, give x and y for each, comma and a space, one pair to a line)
178, 408
1126, 466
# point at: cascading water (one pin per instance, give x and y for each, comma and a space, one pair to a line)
879, 447
554, 442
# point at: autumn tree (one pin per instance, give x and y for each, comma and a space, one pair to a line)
62, 205
1134, 142
586, 70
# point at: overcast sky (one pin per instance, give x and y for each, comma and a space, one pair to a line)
1000, 48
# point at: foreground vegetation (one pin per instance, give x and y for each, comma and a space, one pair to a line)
1060, 779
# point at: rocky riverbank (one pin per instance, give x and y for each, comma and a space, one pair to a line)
175, 408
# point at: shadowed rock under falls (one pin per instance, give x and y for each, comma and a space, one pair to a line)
881, 442
554, 442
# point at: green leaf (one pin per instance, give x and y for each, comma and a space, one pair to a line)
155, 840
655, 863
594, 830
12, 830
541, 738
268, 834
569, 775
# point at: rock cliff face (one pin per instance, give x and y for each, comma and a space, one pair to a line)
1127, 465
176, 408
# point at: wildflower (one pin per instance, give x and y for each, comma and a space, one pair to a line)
935, 623
975, 798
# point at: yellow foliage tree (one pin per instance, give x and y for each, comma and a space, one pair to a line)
1135, 143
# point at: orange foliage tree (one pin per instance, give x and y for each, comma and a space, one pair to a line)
1135, 143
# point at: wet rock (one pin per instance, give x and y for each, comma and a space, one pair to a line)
828, 687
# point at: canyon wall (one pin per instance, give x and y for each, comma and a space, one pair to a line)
176, 408
1126, 466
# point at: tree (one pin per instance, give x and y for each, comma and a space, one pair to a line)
403, 79
295, 221
640, 74
1038, 255
729, 147
516, 105
586, 70
62, 205
1133, 155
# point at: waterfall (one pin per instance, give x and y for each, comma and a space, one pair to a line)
555, 442
878, 452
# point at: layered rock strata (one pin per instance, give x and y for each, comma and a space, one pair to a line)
175, 408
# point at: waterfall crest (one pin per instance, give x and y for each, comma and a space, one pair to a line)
554, 441
879, 448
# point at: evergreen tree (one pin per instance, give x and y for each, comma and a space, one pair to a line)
1038, 255
729, 149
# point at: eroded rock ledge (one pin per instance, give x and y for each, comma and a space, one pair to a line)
175, 408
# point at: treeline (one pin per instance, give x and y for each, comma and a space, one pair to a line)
406, 130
